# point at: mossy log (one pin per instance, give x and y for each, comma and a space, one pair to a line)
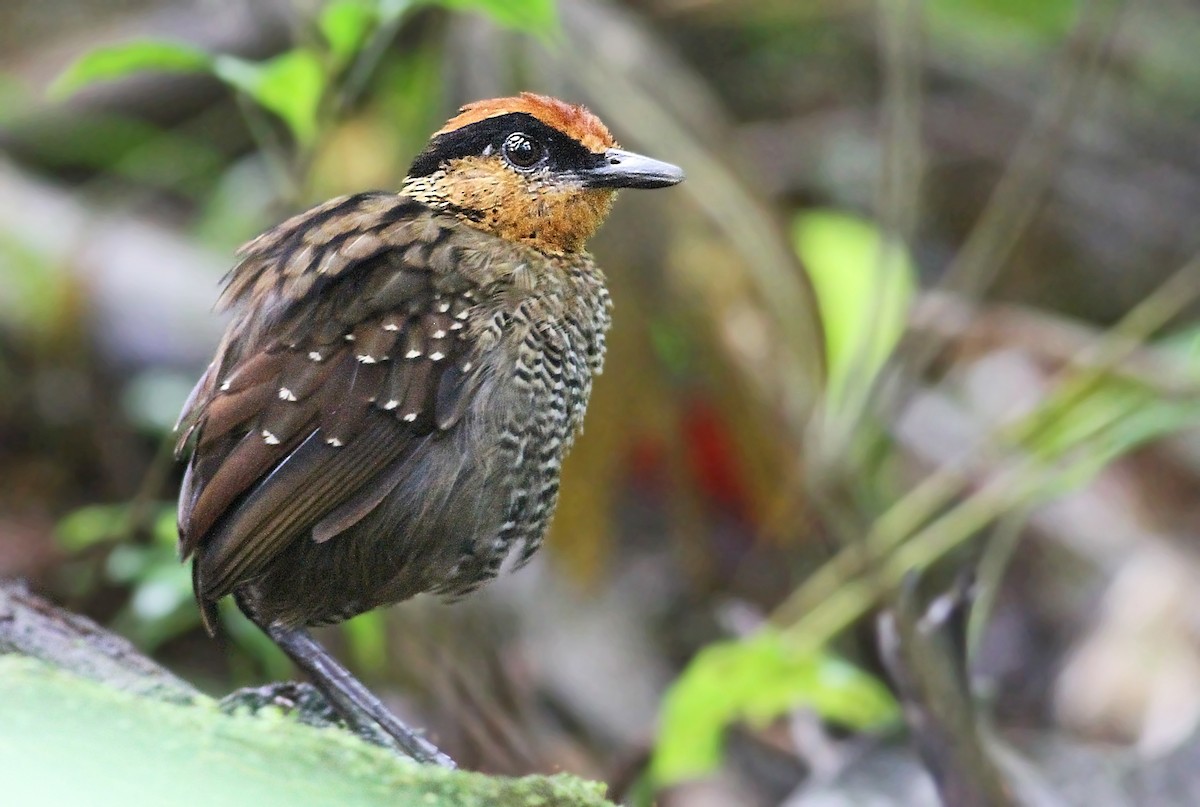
88, 720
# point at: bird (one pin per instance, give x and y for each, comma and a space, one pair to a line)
403, 372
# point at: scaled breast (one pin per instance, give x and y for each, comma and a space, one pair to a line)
558, 340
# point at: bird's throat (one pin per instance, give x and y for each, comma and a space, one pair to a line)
551, 217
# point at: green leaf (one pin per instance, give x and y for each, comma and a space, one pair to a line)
164, 588
411, 87
103, 522
758, 679
92, 525
346, 24
127, 563
117, 61
864, 295
166, 526
531, 16
1004, 20
290, 85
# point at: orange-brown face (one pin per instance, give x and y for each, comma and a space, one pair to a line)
530, 169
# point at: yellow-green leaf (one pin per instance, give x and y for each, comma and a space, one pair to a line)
533, 16
1004, 20
345, 24
290, 85
118, 61
864, 295
91, 525
758, 679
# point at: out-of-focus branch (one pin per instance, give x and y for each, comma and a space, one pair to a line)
1020, 192
969, 331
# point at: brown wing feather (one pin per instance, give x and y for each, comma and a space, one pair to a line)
347, 351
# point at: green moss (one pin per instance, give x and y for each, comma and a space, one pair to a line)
67, 740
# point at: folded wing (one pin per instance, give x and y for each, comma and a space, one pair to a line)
351, 348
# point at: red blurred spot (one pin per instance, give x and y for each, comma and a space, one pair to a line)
712, 459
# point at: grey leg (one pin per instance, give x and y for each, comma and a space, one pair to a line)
348, 695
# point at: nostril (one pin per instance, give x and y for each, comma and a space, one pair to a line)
614, 161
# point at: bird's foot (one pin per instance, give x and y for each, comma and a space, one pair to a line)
305, 703
363, 712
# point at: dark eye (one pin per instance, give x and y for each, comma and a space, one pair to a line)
522, 150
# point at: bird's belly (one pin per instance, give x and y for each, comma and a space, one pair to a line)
518, 485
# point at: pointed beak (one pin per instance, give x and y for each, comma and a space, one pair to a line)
624, 169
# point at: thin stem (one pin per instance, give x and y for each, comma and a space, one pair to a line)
367, 60
271, 147
997, 557
1020, 192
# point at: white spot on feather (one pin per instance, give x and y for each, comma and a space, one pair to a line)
269, 438
286, 394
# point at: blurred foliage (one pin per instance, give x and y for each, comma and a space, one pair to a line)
123, 60
864, 291
864, 287
532, 16
758, 680
1096, 429
296, 85
1001, 24
29, 294
1090, 418
160, 603
1088, 421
